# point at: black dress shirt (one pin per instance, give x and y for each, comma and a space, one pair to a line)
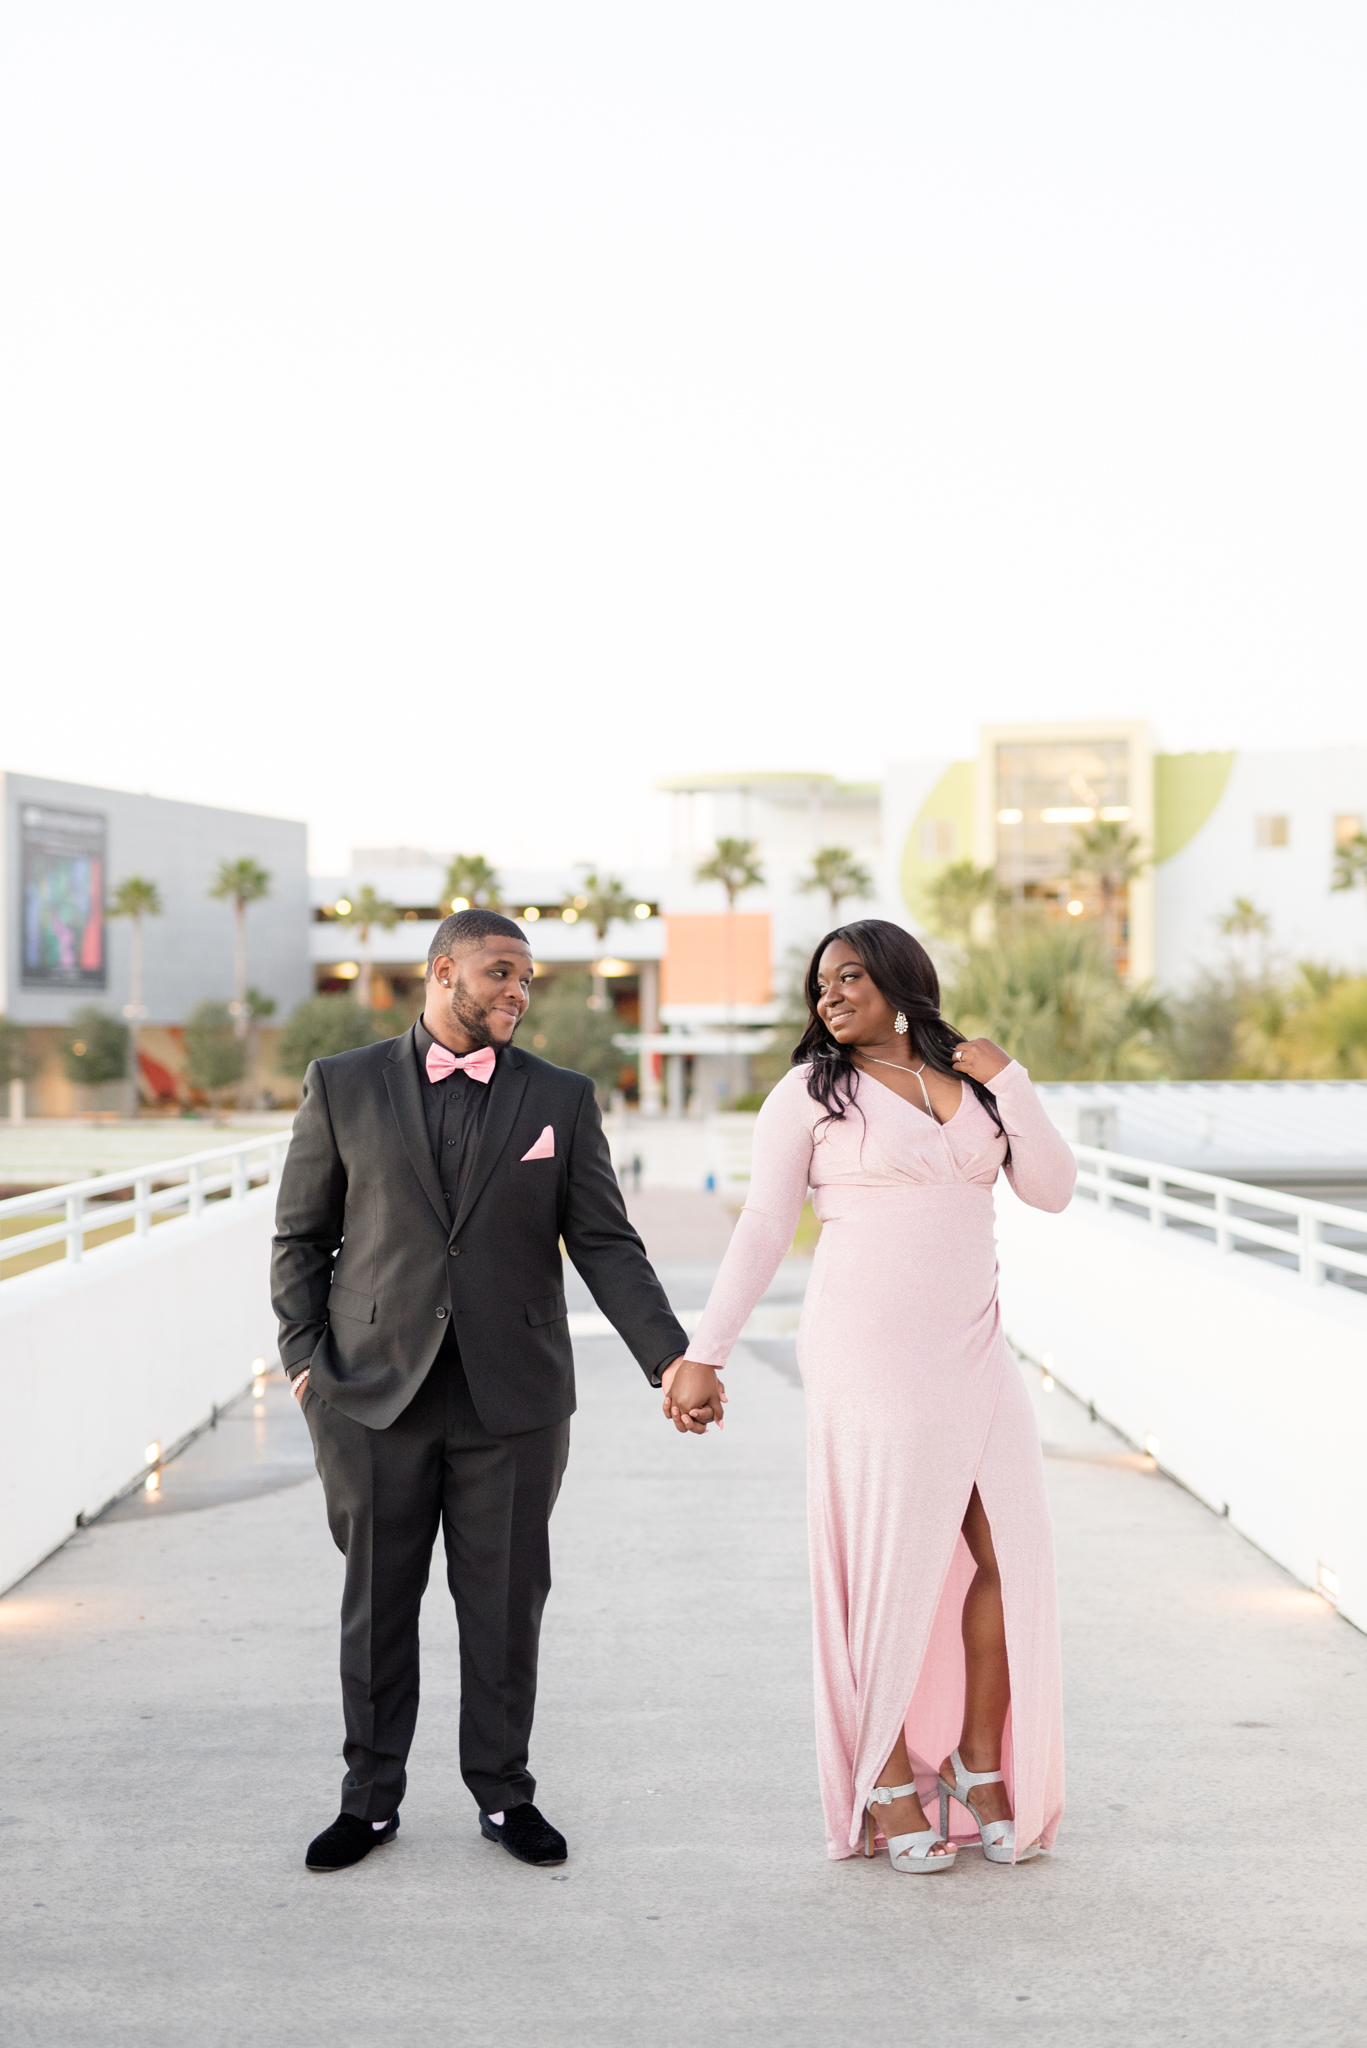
455, 1110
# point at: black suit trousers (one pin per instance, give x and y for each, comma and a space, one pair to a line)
388, 1492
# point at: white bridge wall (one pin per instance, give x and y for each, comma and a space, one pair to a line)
135, 1344
1253, 1382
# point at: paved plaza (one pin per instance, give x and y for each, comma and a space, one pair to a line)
172, 1729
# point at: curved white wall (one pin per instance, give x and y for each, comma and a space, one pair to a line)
1253, 1382
135, 1344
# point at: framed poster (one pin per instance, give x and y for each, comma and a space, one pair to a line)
62, 856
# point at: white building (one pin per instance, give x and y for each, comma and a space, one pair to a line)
1213, 826
698, 989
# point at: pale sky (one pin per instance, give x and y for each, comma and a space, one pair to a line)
436, 421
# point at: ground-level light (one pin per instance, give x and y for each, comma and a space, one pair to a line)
1328, 1582
1151, 1446
151, 1452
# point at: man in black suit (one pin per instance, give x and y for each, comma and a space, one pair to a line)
417, 1276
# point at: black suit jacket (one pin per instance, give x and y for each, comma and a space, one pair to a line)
370, 1271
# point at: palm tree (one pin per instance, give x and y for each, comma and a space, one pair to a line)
259, 1007
835, 869
242, 882
957, 894
135, 898
1244, 922
1112, 857
471, 884
602, 899
1050, 995
735, 864
366, 911
18, 1064
1350, 864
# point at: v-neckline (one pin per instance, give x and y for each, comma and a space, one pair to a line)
932, 1120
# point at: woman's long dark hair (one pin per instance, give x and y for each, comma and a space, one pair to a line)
904, 974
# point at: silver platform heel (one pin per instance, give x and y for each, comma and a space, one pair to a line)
998, 1836
909, 1853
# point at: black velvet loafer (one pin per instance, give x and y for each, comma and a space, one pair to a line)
526, 1834
347, 1841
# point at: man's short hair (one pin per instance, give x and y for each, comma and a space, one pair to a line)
467, 928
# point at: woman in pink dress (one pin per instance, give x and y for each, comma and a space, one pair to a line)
935, 1614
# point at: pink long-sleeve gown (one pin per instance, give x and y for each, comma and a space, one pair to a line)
913, 1397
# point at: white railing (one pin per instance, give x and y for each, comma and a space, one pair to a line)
1322, 1241
171, 1187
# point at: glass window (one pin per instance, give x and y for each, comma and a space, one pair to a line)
1046, 791
1274, 829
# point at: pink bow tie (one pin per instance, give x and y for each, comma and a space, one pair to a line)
478, 1065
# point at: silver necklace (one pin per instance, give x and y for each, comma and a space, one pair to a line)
918, 1071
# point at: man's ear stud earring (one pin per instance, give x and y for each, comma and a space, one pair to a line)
899, 1024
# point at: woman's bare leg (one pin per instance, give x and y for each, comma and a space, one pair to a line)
987, 1678
901, 1816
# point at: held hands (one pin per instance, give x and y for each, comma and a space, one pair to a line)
694, 1396
979, 1059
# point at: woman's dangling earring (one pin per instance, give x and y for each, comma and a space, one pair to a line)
899, 1024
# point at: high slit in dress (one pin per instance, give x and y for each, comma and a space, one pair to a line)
913, 1398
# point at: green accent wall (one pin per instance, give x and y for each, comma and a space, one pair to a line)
1186, 789
950, 802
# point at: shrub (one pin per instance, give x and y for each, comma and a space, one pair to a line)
95, 1047
18, 1061
560, 1027
1049, 995
324, 1025
215, 1057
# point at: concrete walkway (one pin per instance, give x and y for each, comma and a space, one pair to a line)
171, 1735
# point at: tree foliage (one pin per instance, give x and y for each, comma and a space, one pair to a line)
1310, 1026
18, 1060
136, 897
1110, 855
241, 882
323, 1025
368, 909
735, 864
835, 870
1350, 864
215, 1056
1049, 995
603, 899
94, 1047
563, 1027
473, 882
955, 896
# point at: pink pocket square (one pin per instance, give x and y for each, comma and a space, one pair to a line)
544, 1148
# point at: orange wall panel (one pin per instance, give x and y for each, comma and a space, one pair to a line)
717, 959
